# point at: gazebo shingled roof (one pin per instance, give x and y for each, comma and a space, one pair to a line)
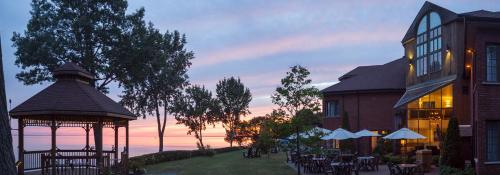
71, 95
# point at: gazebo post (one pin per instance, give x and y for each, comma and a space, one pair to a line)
126, 147
87, 130
98, 146
20, 136
53, 129
116, 143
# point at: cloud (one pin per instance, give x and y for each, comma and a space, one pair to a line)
294, 44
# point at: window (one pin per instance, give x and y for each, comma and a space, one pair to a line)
493, 140
429, 44
492, 52
332, 109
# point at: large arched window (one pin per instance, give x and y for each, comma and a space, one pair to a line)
429, 47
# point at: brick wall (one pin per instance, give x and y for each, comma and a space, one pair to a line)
372, 111
487, 98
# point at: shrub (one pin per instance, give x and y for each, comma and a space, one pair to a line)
392, 158
435, 160
451, 152
139, 162
446, 170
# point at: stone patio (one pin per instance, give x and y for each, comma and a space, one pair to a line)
383, 170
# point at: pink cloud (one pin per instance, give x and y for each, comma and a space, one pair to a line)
297, 43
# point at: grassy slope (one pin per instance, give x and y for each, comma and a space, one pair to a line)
225, 163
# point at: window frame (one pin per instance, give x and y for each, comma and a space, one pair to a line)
487, 66
336, 110
429, 47
487, 144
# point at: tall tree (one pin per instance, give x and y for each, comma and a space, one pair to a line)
451, 152
296, 92
234, 99
163, 63
84, 32
196, 110
347, 144
7, 165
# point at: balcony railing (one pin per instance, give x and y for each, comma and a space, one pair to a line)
70, 162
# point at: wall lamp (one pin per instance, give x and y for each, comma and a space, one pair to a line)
470, 51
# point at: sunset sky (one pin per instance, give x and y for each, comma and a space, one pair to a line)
257, 41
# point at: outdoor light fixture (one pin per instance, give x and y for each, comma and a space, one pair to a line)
467, 66
447, 49
470, 51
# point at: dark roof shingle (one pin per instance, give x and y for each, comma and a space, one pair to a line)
70, 97
390, 76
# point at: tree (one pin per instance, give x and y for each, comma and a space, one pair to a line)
161, 75
234, 99
88, 33
451, 151
7, 164
296, 93
196, 110
306, 119
348, 143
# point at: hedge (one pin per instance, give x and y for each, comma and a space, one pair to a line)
165, 156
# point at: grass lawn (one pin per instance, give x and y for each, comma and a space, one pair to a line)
224, 163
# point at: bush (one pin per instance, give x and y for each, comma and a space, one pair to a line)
435, 160
446, 170
138, 162
392, 158
451, 155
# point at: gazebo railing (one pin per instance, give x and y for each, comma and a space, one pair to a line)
73, 165
33, 159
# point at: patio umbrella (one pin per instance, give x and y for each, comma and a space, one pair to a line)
312, 132
404, 133
366, 133
339, 134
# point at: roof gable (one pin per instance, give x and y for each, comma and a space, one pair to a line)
445, 14
390, 76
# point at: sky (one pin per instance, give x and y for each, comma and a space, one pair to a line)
256, 40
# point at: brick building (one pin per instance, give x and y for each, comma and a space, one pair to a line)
449, 69
367, 94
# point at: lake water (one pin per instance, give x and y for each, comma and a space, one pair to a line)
138, 144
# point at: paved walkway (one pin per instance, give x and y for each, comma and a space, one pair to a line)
383, 170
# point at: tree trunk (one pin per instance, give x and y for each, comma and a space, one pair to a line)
201, 135
160, 133
7, 164
231, 134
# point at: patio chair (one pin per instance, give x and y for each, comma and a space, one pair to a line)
345, 168
394, 169
375, 162
356, 166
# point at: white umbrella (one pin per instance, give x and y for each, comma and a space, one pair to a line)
404, 133
312, 132
366, 133
339, 134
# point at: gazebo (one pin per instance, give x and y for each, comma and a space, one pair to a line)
72, 102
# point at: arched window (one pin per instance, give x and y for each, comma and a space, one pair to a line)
429, 47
